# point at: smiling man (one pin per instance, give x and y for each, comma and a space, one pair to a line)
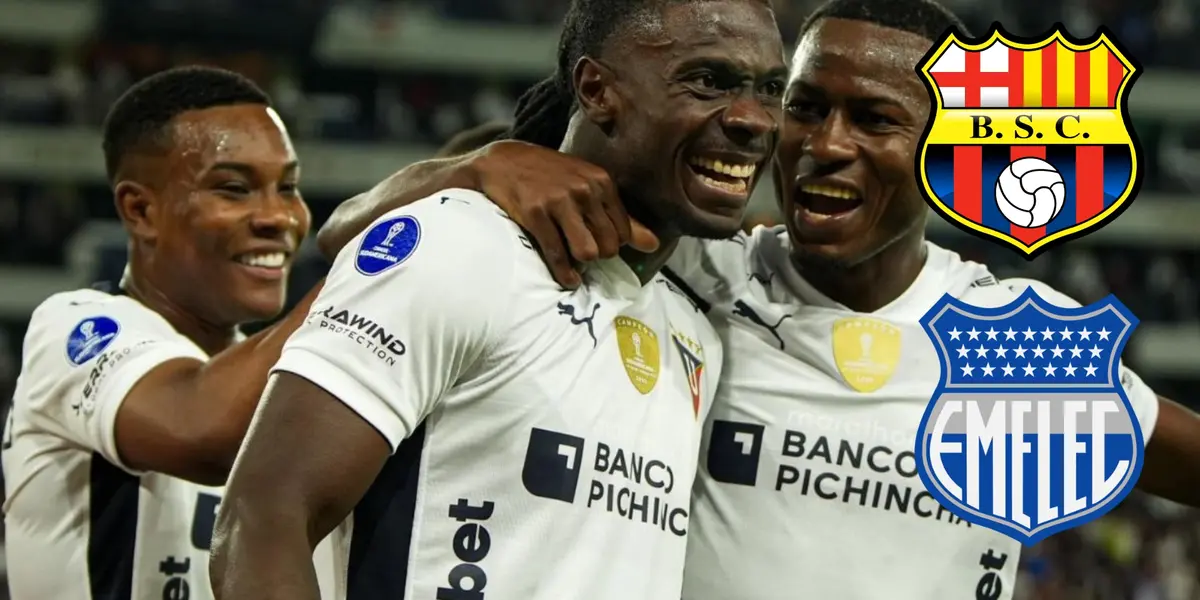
529, 441
133, 399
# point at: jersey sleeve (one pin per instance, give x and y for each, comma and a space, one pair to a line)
1143, 399
83, 353
408, 306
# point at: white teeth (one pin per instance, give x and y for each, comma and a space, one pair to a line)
274, 260
738, 187
832, 192
732, 170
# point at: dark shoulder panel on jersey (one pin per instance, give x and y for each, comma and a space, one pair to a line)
381, 537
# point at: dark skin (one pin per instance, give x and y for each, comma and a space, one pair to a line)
277, 508
854, 119
224, 188
854, 113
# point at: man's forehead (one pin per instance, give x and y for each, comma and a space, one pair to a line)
697, 23
858, 48
223, 131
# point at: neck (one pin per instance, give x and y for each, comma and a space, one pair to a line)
210, 337
873, 283
585, 141
646, 266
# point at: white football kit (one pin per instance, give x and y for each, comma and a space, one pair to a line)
808, 485
545, 441
106, 531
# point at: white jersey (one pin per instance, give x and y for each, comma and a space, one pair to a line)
79, 523
545, 441
808, 485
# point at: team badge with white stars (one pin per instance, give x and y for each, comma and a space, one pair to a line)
1029, 431
1067, 347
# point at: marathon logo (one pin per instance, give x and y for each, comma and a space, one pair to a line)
624, 483
363, 331
836, 470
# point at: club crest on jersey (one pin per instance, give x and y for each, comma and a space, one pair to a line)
387, 244
1029, 431
639, 352
866, 352
90, 337
690, 354
1030, 142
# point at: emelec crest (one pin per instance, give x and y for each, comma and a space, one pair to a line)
1029, 142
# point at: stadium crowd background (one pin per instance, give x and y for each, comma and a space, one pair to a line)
367, 86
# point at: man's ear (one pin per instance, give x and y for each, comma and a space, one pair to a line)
595, 93
138, 208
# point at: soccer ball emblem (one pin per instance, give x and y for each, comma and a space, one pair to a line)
1030, 192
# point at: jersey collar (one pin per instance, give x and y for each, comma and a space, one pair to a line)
777, 251
615, 276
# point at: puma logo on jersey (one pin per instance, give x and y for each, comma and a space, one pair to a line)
741, 309
569, 311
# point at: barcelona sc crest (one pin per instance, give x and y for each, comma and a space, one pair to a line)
1029, 141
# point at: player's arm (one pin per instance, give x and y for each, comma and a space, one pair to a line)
1172, 465
552, 195
390, 335
144, 400
187, 418
307, 461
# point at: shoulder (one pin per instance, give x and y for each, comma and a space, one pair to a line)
989, 291
83, 323
455, 228
1017, 285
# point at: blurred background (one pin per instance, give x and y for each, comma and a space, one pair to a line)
368, 86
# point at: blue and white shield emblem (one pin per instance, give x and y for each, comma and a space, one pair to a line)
1029, 431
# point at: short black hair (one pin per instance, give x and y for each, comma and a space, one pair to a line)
141, 114
473, 139
925, 18
544, 111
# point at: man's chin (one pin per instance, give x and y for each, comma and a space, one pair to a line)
260, 307
710, 225
826, 257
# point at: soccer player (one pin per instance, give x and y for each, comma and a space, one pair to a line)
542, 442
851, 520
133, 400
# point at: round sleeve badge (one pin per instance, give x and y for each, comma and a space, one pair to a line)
90, 337
387, 244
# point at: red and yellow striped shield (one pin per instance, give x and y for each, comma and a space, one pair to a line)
1029, 141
